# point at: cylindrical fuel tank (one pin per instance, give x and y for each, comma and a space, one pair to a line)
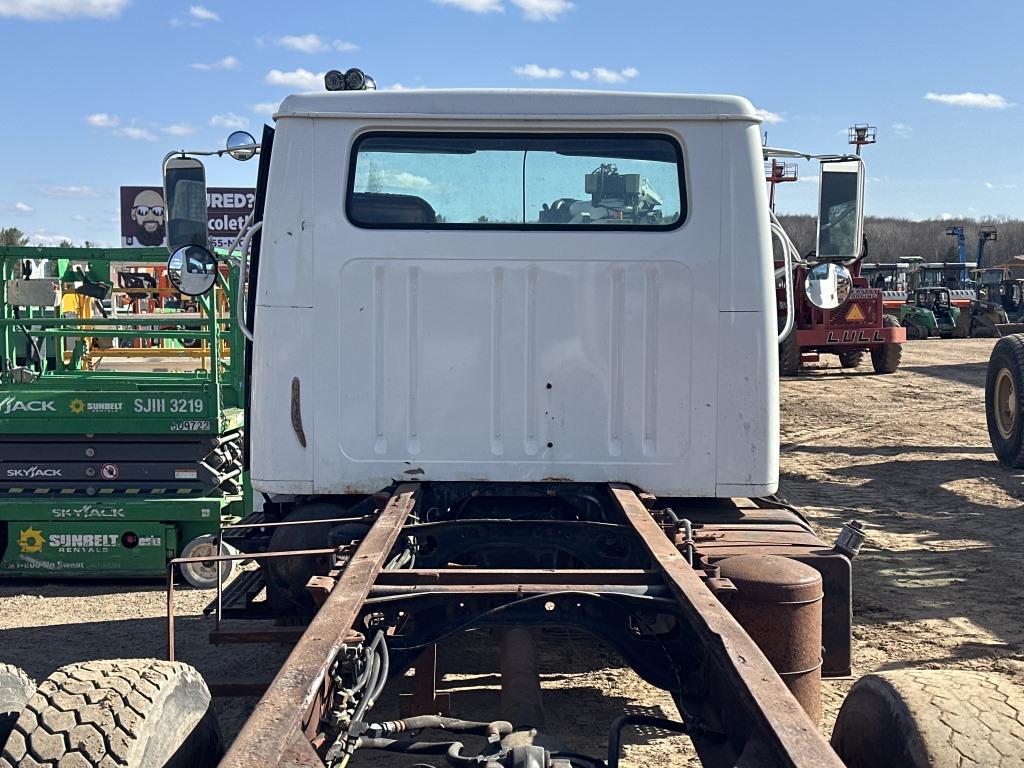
778, 602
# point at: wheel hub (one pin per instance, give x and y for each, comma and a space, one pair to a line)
1005, 403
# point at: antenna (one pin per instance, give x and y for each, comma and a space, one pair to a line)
862, 134
778, 173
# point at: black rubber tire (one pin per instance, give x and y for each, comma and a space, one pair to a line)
915, 331
286, 577
133, 713
851, 359
963, 325
789, 355
930, 718
1007, 355
15, 689
983, 328
887, 358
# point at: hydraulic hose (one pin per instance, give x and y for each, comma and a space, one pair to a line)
790, 255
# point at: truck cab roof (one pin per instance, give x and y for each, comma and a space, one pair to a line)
516, 104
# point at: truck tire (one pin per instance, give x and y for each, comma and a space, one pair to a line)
15, 689
851, 359
789, 355
1004, 400
930, 718
133, 713
887, 358
204, 575
286, 577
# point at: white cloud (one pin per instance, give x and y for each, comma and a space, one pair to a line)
990, 185
604, 75
71, 191
265, 107
18, 208
78, 217
902, 130
769, 117
401, 87
299, 78
102, 120
303, 43
228, 62
389, 179
543, 10
947, 216
47, 241
58, 10
230, 121
812, 179
615, 76
179, 129
202, 13
312, 43
537, 72
475, 6
135, 133
970, 99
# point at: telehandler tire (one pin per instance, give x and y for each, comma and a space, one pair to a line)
887, 358
851, 359
789, 355
930, 718
133, 713
15, 689
1004, 400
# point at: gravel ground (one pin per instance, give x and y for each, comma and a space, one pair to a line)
937, 586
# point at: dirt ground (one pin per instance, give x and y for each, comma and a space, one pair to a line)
938, 585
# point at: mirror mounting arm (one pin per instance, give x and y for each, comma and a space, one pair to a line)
239, 294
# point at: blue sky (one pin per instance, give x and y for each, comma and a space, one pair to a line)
98, 90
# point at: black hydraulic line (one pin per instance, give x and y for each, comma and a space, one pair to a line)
576, 757
364, 702
385, 666
32, 341
498, 728
405, 747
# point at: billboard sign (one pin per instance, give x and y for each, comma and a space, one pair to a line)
142, 215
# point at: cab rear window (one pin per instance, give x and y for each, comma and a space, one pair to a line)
539, 181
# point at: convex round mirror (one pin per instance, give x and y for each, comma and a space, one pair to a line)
241, 139
192, 270
828, 285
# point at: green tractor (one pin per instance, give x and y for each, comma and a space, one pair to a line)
930, 312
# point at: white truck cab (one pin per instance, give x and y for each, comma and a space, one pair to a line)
515, 286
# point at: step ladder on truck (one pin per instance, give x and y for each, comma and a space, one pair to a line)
121, 415
524, 411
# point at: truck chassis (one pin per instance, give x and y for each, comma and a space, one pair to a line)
637, 572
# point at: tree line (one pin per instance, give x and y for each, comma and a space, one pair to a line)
14, 236
892, 239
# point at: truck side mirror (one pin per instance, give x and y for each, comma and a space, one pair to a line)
841, 209
185, 203
828, 285
192, 270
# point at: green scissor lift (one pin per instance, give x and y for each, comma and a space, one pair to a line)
120, 432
